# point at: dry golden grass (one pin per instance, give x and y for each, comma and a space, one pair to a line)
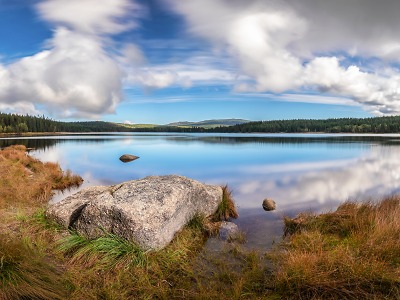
26, 269
26, 181
226, 208
352, 253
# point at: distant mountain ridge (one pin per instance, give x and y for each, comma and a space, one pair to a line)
210, 123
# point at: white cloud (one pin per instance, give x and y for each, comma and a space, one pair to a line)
90, 16
315, 99
283, 46
380, 93
358, 27
158, 79
75, 76
197, 70
81, 72
288, 45
20, 108
132, 56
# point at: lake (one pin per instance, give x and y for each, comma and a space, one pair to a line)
300, 172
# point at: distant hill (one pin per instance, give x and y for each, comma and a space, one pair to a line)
209, 123
134, 126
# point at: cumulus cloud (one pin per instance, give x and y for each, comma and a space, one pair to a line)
358, 27
75, 76
297, 45
90, 16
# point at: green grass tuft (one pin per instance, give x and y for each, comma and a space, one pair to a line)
197, 222
25, 272
109, 251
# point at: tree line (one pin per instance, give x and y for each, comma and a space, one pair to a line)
343, 125
14, 123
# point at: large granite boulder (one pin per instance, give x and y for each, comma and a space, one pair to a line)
148, 211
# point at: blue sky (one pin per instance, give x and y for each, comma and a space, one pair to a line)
160, 61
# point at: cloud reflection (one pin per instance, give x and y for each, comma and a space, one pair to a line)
302, 185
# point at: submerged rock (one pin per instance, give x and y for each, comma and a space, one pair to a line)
228, 230
148, 211
269, 204
128, 158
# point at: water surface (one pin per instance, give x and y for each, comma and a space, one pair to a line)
300, 172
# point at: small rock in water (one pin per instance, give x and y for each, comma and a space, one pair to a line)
228, 230
269, 204
128, 158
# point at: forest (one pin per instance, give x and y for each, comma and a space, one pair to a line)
343, 125
14, 123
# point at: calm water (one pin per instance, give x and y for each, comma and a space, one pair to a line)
300, 172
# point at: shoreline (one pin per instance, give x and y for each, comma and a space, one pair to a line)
34, 134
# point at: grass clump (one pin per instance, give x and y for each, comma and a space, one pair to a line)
109, 251
352, 253
110, 267
25, 272
226, 208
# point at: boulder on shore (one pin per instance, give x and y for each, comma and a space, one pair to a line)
128, 158
148, 211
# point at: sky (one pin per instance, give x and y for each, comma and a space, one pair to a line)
161, 61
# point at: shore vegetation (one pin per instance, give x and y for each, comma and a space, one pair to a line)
351, 253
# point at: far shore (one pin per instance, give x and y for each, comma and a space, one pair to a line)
34, 134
